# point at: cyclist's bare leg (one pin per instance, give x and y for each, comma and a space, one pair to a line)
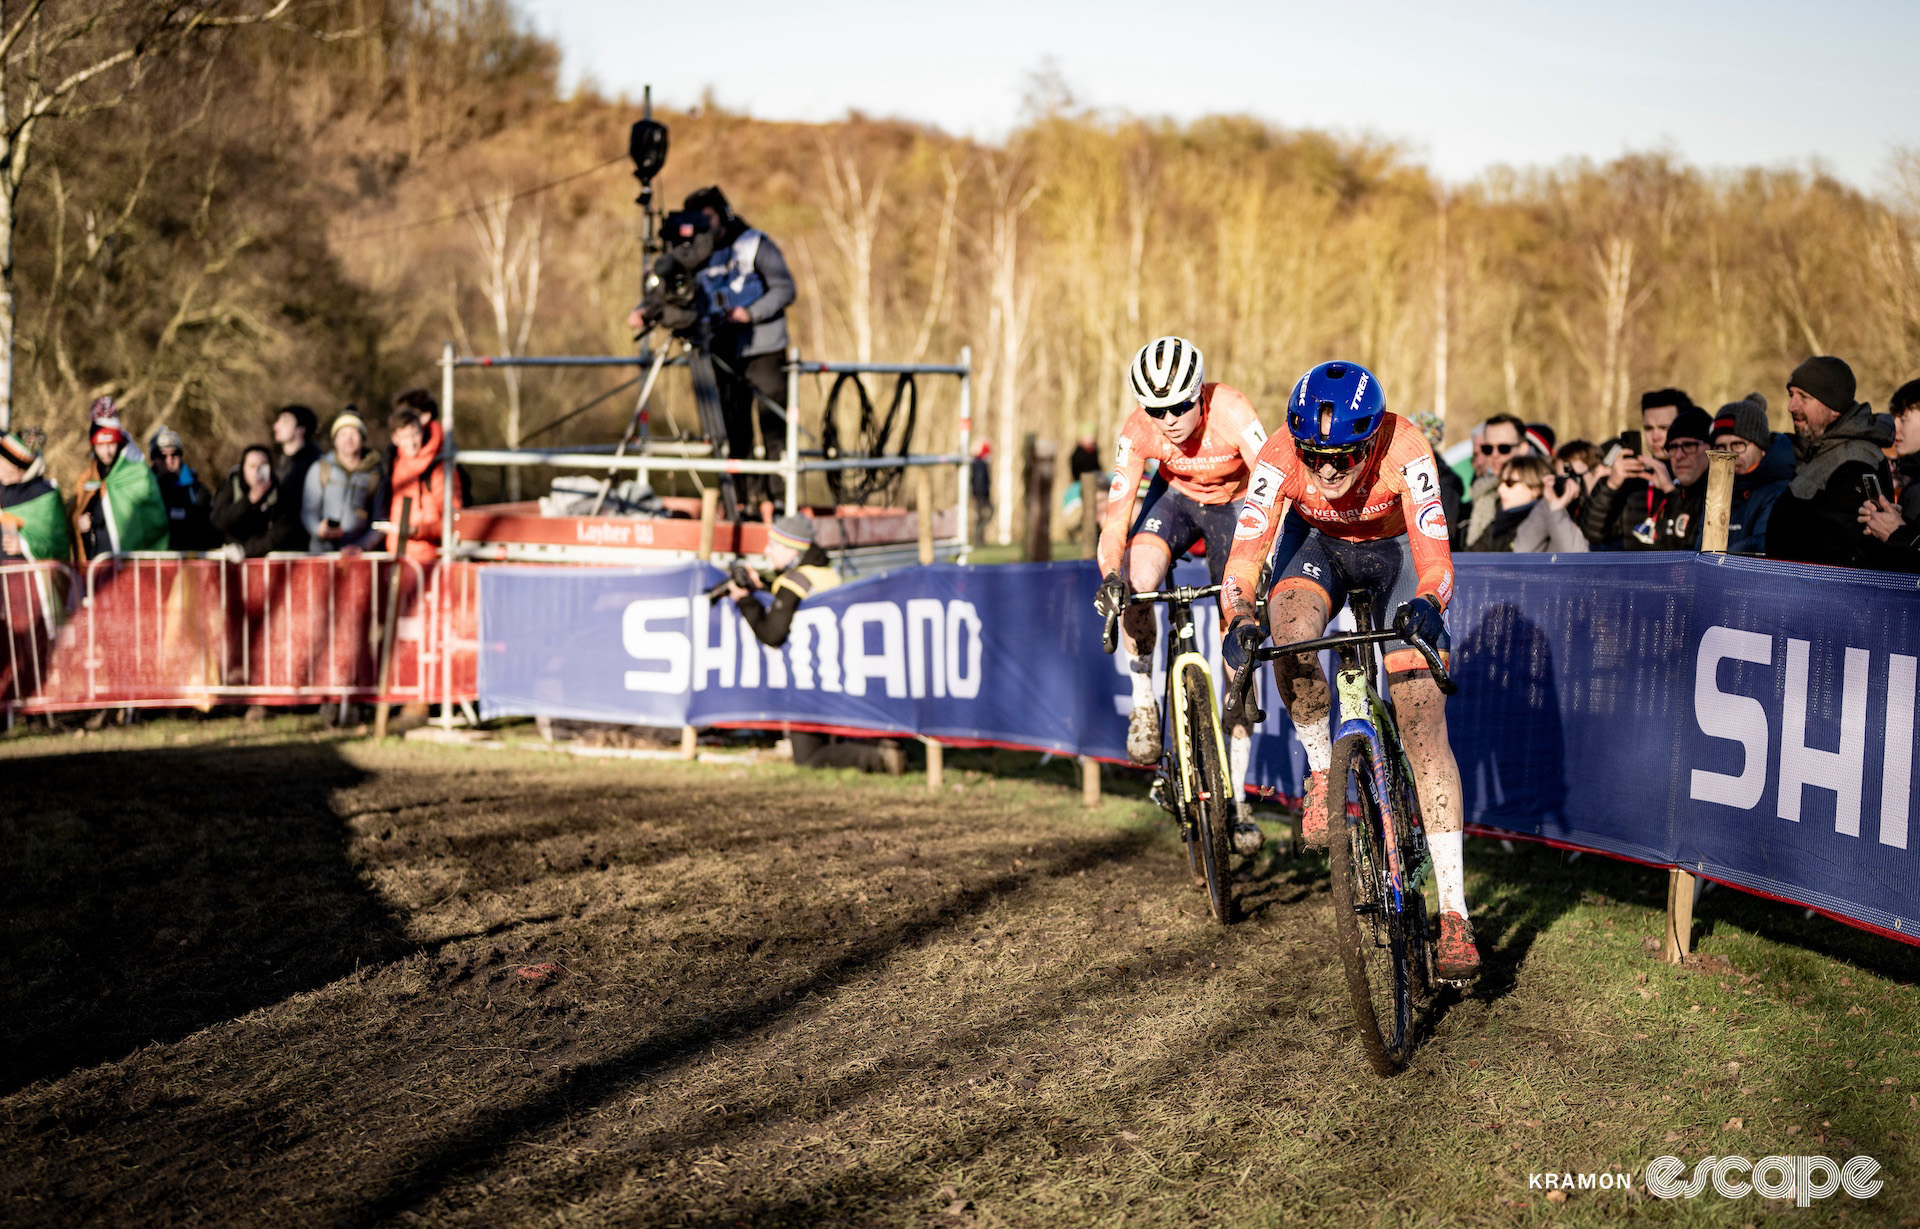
1301, 613
1421, 713
1146, 568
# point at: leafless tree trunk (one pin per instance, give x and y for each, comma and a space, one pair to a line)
56, 61
853, 218
1440, 312
1012, 304
510, 281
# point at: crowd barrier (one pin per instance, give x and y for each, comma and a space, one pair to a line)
1747, 721
170, 631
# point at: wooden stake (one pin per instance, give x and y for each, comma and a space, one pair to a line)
936, 765
1089, 781
709, 510
923, 499
689, 743
1679, 940
392, 622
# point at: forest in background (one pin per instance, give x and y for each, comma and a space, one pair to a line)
307, 214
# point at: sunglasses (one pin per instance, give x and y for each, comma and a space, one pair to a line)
1685, 446
1176, 409
1487, 450
1528, 486
1341, 459
169, 454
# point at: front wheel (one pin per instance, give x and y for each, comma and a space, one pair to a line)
1211, 807
1370, 929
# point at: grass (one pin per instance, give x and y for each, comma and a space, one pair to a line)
275, 976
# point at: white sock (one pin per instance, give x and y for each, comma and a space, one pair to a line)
1239, 751
1140, 671
1449, 870
1317, 743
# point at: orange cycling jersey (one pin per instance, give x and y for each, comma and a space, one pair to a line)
1210, 468
1398, 487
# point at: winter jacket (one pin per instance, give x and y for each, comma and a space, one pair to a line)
810, 574
1483, 503
421, 478
1816, 519
1672, 521
189, 510
258, 529
344, 497
290, 469
1548, 530
1754, 495
1610, 514
749, 272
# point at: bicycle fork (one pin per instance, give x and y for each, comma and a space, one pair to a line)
1357, 698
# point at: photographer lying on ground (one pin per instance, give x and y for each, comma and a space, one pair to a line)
800, 570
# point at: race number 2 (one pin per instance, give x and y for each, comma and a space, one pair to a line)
1423, 481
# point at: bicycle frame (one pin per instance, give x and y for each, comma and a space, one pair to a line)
1373, 721
1181, 660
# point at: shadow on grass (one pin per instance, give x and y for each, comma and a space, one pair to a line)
475, 1148
150, 893
1786, 923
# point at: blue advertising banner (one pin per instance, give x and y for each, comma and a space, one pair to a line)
1750, 721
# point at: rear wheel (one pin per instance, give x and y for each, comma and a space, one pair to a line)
1371, 934
1211, 809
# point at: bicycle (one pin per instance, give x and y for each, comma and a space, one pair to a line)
1192, 781
1377, 844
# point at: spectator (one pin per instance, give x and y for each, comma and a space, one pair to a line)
417, 475
1638, 478
1898, 524
250, 509
801, 569
337, 507
1086, 454
1673, 522
1579, 461
1543, 439
1453, 492
293, 430
189, 504
118, 508
980, 489
428, 409
1839, 465
1502, 438
33, 521
1763, 464
1532, 518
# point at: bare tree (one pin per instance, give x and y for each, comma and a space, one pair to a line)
60, 60
510, 280
853, 219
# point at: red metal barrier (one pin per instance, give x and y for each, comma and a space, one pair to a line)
167, 631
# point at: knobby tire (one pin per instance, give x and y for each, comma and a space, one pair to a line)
1374, 942
1212, 815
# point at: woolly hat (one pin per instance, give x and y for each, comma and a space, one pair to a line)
1431, 427
1746, 419
1690, 424
103, 411
347, 418
107, 432
1541, 440
793, 532
1827, 380
164, 437
17, 450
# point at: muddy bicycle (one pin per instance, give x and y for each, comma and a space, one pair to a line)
1377, 844
1192, 781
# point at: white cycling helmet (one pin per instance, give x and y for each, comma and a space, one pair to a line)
1167, 371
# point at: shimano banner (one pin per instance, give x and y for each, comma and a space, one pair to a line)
1752, 722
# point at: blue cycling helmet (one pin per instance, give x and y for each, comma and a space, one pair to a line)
1336, 407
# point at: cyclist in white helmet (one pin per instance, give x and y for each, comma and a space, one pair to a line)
1205, 437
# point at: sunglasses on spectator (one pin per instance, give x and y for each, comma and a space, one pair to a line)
1487, 450
170, 454
1516, 482
1176, 409
1685, 446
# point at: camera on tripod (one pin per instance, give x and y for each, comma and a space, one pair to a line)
671, 296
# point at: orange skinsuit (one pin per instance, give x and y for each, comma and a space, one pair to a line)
1210, 468
1398, 487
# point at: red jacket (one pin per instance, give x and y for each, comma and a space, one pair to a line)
422, 479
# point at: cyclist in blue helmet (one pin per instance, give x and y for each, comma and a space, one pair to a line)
1356, 491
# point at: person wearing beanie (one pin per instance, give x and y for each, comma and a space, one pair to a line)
337, 506
117, 508
1682, 512
189, 504
33, 521
1839, 466
1631, 492
1763, 463
1453, 492
801, 570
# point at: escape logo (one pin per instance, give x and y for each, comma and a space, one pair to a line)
1800, 1178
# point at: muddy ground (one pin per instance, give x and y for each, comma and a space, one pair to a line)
287, 979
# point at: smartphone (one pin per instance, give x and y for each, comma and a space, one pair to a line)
1630, 440
1613, 454
1870, 491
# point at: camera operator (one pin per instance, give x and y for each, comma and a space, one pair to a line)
748, 290
801, 570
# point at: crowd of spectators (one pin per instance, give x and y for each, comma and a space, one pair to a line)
1840, 488
287, 495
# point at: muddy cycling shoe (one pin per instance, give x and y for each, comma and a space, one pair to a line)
1143, 734
1247, 837
1459, 958
1313, 811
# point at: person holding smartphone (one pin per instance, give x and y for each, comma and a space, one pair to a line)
1840, 464
1627, 498
1896, 520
